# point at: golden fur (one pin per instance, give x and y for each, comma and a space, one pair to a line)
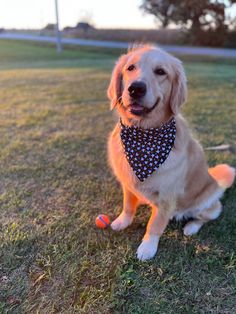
182, 186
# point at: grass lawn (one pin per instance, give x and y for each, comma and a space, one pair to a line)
55, 120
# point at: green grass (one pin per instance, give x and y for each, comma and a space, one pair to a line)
55, 121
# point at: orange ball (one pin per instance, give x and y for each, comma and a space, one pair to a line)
102, 221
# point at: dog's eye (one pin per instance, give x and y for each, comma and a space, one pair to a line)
159, 71
131, 67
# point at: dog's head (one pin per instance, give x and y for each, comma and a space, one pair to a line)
148, 86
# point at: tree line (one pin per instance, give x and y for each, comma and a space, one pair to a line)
205, 22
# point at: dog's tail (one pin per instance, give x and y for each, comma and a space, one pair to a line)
223, 174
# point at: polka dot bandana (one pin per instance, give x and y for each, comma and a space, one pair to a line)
147, 149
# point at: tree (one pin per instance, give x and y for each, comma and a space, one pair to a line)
49, 27
164, 11
199, 16
197, 13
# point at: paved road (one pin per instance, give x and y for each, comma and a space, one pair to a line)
185, 50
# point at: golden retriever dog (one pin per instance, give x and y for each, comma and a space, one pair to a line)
148, 87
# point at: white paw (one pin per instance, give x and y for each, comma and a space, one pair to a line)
192, 227
122, 222
148, 248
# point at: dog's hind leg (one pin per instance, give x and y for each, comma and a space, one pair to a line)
130, 204
204, 216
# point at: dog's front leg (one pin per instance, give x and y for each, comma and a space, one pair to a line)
130, 204
155, 228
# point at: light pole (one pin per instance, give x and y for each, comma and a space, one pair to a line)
57, 29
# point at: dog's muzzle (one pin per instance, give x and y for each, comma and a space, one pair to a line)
139, 110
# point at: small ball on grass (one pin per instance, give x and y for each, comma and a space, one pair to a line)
102, 221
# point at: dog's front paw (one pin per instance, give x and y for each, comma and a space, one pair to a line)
148, 248
192, 227
122, 222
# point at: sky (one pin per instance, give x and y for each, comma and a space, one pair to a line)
102, 13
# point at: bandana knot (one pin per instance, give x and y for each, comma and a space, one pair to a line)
147, 149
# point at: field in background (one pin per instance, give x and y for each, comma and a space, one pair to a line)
161, 36
157, 36
55, 120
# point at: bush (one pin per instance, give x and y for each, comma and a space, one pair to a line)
212, 38
230, 40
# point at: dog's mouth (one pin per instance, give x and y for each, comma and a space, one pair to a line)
139, 110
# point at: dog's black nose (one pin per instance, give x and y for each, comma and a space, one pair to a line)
137, 89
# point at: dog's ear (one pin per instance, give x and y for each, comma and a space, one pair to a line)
114, 91
179, 87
